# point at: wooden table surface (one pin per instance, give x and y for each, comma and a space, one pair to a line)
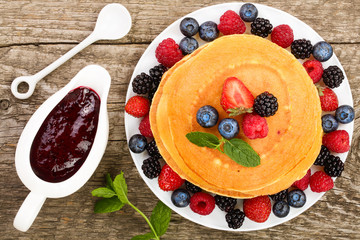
35, 33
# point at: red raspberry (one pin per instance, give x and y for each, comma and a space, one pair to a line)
137, 106
314, 69
231, 23
254, 126
169, 180
202, 203
168, 52
257, 209
328, 99
145, 128
337, 141
282, 35
321, 182
303, 183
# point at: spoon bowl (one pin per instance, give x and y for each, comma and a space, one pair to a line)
96, 78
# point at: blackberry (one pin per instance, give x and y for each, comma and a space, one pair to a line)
151, 167
225, 203
157, 72
142, 83
192, 188
261, 27
333, 76
323, 156
235, 218
333, 166
153, 150
152, 93
301, 48
280, 196
265, 104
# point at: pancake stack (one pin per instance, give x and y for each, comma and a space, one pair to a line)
295, 132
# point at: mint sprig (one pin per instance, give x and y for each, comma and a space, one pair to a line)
238, 150
114, 197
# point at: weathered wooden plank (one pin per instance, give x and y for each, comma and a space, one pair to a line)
25, 21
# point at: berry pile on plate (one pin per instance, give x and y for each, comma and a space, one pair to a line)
256, 209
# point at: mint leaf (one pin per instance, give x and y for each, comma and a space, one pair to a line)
120, 187
160, 218
107, 205
103, 192
202, 139
109, 182
146, 236
241, 152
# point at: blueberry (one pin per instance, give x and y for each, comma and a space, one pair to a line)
180, 198
137, 143
228, 128
345, 114
281, 209
329, 123
248, 12
208, 31
189, 26
322, 51
207, 116
188, 45
296, 198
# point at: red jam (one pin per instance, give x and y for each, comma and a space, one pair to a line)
65, 138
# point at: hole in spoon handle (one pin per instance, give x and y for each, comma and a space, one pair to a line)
15, 85
28, 211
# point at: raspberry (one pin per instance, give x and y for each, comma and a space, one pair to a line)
144, 127
328, 99
137, 106
257, 209
337, 141
333, 166
202, 203
314, 69
231, 23
169, 180
254, 126
282, 35
303, 183
168, 52
320, 182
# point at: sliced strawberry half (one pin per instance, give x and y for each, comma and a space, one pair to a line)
236, 98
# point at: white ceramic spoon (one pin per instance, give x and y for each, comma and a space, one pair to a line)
114, 22
96, 78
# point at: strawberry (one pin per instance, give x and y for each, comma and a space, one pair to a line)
328, 99
337, 141
321, 182
169, 180
144, 127
236, 98
257, 209
137, 106
303, 183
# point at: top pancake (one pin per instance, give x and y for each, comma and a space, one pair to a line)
294, 137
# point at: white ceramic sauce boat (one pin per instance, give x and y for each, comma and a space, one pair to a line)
96, 78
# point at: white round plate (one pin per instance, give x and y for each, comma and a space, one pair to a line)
216, 219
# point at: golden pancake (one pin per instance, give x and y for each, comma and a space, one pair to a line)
294, 137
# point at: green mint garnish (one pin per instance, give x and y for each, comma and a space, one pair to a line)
114, 197
238, 150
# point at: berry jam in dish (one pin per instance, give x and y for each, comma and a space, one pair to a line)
65, 138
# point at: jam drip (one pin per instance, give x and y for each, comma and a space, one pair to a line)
65, 138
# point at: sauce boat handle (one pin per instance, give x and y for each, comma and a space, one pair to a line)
28, 211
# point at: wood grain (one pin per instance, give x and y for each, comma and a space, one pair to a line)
35, 33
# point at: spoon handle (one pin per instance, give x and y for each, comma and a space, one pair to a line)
33, 80
28, 211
